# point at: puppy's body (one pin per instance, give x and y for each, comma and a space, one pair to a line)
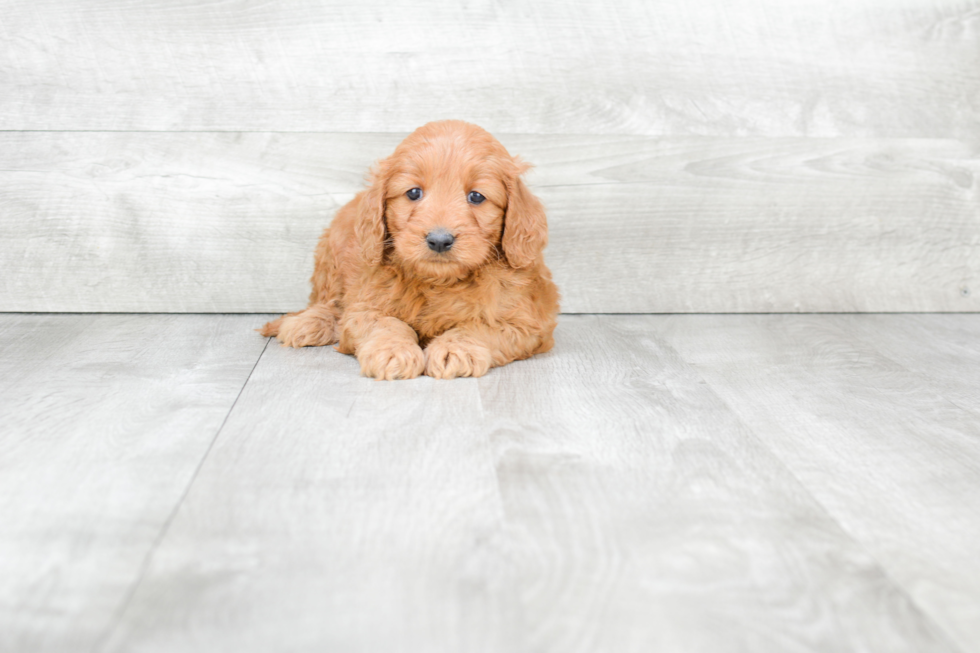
437, 267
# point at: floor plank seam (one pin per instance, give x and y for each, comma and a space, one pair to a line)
124, 604
858, 544
664, 341
912, 374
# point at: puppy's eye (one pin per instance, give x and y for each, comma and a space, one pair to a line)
475, 198
414, 194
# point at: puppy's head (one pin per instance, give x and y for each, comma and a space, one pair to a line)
447, 201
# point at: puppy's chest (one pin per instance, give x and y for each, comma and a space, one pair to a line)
435, 311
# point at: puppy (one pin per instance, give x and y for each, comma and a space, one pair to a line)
437, 267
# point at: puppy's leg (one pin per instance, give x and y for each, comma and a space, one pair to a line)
472, 349
386, 347
318, 324
314, 327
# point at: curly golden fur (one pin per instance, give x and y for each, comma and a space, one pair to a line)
403, 307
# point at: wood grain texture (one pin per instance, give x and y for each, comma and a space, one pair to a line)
338, 513
647, 517
893, 68
943, 350
228, 222
103, 421
597, 498
870, 413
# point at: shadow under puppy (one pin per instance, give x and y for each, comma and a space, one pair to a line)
437, 267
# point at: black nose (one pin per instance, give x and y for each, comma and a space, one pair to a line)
439, 240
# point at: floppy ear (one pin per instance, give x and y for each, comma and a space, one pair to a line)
525, 224
370, 225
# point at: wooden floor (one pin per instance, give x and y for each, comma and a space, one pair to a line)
657, 483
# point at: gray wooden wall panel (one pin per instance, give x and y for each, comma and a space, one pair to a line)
752, 67
758, 155
227, 222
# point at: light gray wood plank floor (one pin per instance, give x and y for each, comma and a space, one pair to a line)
688, 483
103, 421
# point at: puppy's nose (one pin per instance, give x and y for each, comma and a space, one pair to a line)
439, 240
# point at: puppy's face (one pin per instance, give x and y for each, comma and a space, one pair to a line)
447, 201
446, 198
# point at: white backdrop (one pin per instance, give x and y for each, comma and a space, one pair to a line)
703, 155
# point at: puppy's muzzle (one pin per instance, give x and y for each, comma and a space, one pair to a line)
439, 240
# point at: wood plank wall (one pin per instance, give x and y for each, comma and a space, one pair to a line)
695, 155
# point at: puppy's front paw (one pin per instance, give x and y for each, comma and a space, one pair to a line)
447, 358
386, 361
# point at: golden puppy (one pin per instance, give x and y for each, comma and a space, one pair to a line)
437, 267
